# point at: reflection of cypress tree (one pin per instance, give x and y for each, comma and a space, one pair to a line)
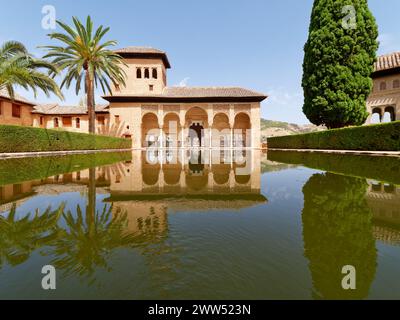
337, 231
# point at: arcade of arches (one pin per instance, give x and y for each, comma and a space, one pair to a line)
223, 127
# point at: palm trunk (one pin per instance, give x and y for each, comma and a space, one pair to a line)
90, 103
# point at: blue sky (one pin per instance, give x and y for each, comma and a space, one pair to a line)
256, 44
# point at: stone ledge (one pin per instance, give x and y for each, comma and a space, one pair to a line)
55, 153
354, 152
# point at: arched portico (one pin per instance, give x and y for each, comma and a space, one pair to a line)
172, 130
242, 127
196, 121
150, 130
221, 131
383, 113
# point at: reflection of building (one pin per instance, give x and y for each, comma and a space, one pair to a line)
384, 201
178, 180
153, 182
385, 96
77, 181
193, 180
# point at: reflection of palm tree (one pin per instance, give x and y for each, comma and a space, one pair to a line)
87, 241
337, 231
19, 238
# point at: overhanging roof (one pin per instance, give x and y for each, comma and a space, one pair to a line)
193, 94
144, 53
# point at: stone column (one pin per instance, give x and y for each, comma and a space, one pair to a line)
210, 125
182, 180
210, 181
161, 138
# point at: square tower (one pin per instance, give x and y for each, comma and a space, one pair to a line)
146, 71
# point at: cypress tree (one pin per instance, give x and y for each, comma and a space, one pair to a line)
338, 62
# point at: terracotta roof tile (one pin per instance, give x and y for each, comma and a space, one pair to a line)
387, 61
55, 109
144, 52
17, 97
133, 49
198, 92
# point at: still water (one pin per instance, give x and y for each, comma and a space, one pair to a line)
192, 225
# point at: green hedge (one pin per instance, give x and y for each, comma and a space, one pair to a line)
26, 139
378, 137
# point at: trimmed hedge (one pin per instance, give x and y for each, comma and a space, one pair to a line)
377, 137
29, 139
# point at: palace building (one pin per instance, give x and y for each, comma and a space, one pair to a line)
152, 113
383, 103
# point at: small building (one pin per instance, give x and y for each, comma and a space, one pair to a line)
17, 111
70, 118
383, 104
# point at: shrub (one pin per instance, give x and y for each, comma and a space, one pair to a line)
338, 62
379, 137
28, 139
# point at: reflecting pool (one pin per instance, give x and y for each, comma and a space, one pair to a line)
200, 224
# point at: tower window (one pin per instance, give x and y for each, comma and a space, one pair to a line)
151, 87
396, 84
138, 73
382, 86
154, 73
146, 73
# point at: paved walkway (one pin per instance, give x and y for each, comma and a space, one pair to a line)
355, 152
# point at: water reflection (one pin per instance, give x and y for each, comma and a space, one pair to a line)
337, 231
134, 214
143, 216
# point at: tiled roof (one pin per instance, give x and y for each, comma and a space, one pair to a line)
144, 52
198, 92
17, 97
387, 61
134, 49
55, 109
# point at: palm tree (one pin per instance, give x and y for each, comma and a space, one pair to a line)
87, 60
18, 67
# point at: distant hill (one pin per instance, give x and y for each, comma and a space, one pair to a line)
270, 128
